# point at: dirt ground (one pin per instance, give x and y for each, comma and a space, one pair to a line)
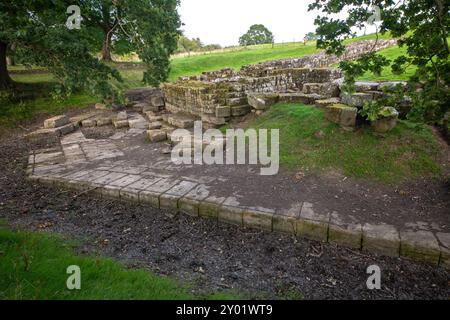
208, 256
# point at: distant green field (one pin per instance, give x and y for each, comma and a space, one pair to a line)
186, 66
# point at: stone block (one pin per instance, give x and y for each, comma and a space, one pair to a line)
341, 114
157, 135
345, 234
181, 122
312, 225
129, 194
89, 123
118, 124
356, 99
232, 215
262, 102
327, 102
110, 192
155, 125
157, 102
286, 220
209, 208
190, 203
240, 110
104, 121
56, 122
382, 239
168, 201
420, 246
149, 197
364, 86
122, 115
109, 178
223, 112
236, 102
258, 219
444, 242
68, 128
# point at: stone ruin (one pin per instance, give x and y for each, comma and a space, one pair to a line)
219, 97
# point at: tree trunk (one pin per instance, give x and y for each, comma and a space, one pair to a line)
106, 49
5, 80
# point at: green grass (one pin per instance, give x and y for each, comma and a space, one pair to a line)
386, 75
409, 151
195, 65
33, 266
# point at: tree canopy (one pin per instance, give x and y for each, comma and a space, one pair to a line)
38, 31
419, 25
257, 34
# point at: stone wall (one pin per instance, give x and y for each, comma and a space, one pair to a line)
217, 96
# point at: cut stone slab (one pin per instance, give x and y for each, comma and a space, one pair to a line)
122, 115
364, 86
261, 101
327, 102
420, 246
223, 112
345, 234
382, 239
68, 128
109, 178
89, 123
325, 89
179, 121
312, 225
138, 124
118, 124
125, 181
231, 215
209, 208
190, 203
341, 114
153, 118
444, 242
157, 135
56, 122
286, 220
162, 185
104, 121
171, 197
157, 102
357, 99
143, 183
258, 218
240, 110
300, 97
155, 125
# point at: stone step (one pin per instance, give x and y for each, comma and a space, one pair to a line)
300, 97
180, 121
327, 102
326, 89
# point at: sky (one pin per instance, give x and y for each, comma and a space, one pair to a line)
224, 21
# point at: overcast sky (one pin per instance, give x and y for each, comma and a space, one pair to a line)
224, 21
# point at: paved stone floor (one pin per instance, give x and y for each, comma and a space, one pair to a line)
127, 166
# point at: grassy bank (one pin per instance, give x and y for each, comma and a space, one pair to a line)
33, 266
309, 142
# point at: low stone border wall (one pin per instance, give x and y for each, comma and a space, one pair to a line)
302, 221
